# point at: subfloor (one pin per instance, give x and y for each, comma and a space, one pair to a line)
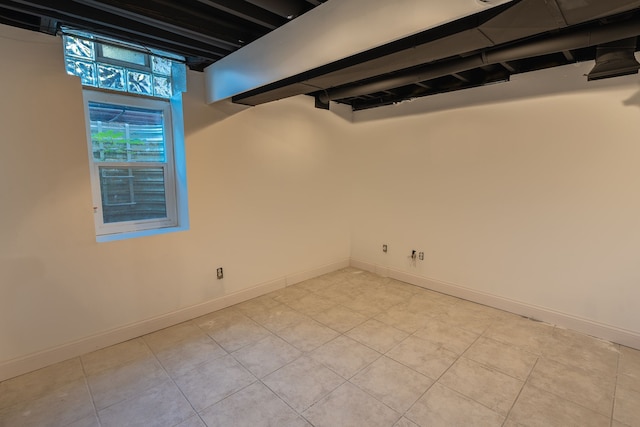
346, 349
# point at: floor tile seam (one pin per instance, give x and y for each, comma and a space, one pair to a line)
229, 351
43, 394
494, 368
506, 342
401, 413
458, 355
287, 403
342, 382
302, 354
514, 347
22, 405
175, 343
380, 355
86, 382
597, 376
206, 408
463, 394
307, 315
615, 390
524, 383
306, 351
451, 325
489, 367
394, 326
374, 349
436, 381
608, 416
341, 332
552, 391
172, 381
134, 359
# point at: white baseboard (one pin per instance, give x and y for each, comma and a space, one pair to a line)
576, 323
310, 274
22, 365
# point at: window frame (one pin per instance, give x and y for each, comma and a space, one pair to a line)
174, 167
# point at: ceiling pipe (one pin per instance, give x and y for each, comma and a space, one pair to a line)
575, 40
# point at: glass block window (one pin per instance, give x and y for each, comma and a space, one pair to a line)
100, 63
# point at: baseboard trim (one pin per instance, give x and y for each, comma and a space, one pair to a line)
22, 365
319, 271
599, 330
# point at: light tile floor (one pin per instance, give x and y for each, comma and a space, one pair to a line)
346, 349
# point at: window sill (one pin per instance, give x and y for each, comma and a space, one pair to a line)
134, 234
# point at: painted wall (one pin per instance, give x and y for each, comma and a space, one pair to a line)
529, 198
267, 199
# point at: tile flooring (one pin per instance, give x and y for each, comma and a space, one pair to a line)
346, 349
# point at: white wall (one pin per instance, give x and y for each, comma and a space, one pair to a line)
533, 200
267, 200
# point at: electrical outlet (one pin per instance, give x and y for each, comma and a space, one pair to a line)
384, 248
219, 273
421, 256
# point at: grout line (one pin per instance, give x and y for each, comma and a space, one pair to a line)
86, 382
615, 386
441, 375
173, 380
520, 392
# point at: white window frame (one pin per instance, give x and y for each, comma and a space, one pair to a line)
174, 167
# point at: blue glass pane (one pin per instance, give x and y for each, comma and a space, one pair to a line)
161, 66
85, 70
162, 86
110, 77
126, 134
79, 48
139, 82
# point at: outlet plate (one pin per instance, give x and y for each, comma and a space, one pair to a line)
421, 256
219, 273
384, 248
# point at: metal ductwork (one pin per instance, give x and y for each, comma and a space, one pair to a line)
518, 36
615, 59
612, 59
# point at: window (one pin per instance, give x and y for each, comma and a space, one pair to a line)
135, 139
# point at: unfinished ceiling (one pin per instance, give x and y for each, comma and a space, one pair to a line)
484, 48
203, 31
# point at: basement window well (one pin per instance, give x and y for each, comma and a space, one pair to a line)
135, 135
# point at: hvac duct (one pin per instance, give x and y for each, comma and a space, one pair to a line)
615, 59
560, 43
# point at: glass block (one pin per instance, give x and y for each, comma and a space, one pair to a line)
85, 70
138, 82
110, 77
132, 194
179, 77
80, 48
161, 65
162, 86
122, 54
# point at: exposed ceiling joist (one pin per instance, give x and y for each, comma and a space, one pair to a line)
248, 11
482, 47
523, 35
